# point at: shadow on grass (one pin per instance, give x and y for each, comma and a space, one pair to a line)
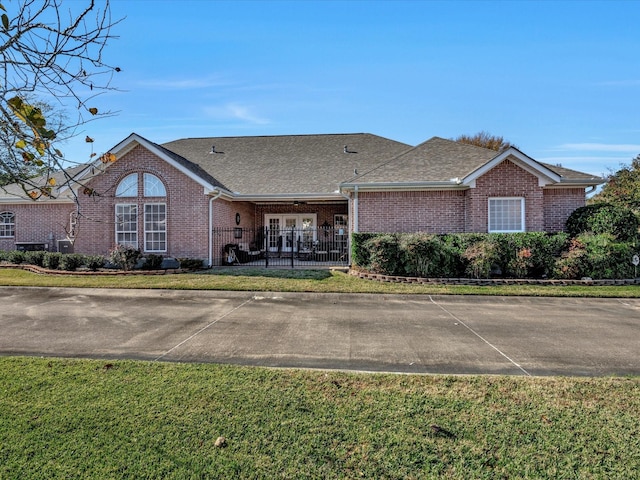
271, 273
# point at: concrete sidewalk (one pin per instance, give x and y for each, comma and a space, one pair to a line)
399, 333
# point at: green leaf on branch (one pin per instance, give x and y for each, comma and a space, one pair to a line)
21, 144
5, 21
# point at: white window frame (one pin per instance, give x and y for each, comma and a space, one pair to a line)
490, 222
155, 230
7, 228
341, 230
120, 223
153, 186
307, 223
128, 186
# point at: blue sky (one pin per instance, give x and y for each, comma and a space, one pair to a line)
561, 80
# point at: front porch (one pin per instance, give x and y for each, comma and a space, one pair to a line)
276, 246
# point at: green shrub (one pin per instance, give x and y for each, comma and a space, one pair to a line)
35, 257
94, 262
124, 257
457, 244
426, 255
3, 255
597, 257
528, 254
71, 261
191, 263
604, 218
51, 260
15, 256
360, 253
152, 262
385, 257
482, 257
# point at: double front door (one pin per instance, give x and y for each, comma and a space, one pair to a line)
288, 233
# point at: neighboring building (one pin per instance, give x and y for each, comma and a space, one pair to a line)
176, 199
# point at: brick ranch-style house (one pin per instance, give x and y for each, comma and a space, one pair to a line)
175, 199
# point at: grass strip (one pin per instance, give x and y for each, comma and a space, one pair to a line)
278, 280
65, 418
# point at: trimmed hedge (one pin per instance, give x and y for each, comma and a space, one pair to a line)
72, 261
517, 255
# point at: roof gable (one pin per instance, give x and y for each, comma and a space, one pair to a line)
440, 163
190, 169
544, 174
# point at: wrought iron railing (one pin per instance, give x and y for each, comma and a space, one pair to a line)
281, 247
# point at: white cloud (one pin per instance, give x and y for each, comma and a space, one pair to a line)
235, 111
185, 83
599, 147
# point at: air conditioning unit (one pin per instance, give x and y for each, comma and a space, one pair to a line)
65, 246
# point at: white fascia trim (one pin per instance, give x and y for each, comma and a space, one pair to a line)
134, 139
576, 184
219, 193
406, 186
28, 201
288, 197
545, 176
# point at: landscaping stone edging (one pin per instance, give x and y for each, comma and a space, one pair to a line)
490, 281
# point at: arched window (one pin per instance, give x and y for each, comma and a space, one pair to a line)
134, 215
128, 186
7, 224
153, 186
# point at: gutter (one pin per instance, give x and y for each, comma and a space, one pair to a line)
454, 184
287, 197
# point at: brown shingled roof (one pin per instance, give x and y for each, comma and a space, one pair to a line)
289, 164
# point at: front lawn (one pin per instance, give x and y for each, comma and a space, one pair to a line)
123, 419
289, 280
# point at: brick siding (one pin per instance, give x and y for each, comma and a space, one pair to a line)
447, 211
187, 207
38, 222
455, 211
426, 211
505, 180
559, 204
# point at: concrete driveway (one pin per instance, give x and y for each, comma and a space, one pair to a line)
399, 333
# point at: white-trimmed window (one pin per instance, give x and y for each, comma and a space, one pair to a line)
506, 214
7, 224
155, 227
127, 224
153, 186
128, 186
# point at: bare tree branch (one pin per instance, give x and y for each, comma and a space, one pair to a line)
52, 54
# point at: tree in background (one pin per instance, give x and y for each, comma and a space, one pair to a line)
485, 140
49, 55
622, 187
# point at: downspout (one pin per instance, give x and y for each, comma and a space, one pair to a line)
348, 198
355, 209
211, 200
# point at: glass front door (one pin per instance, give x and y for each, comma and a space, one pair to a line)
290, 232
